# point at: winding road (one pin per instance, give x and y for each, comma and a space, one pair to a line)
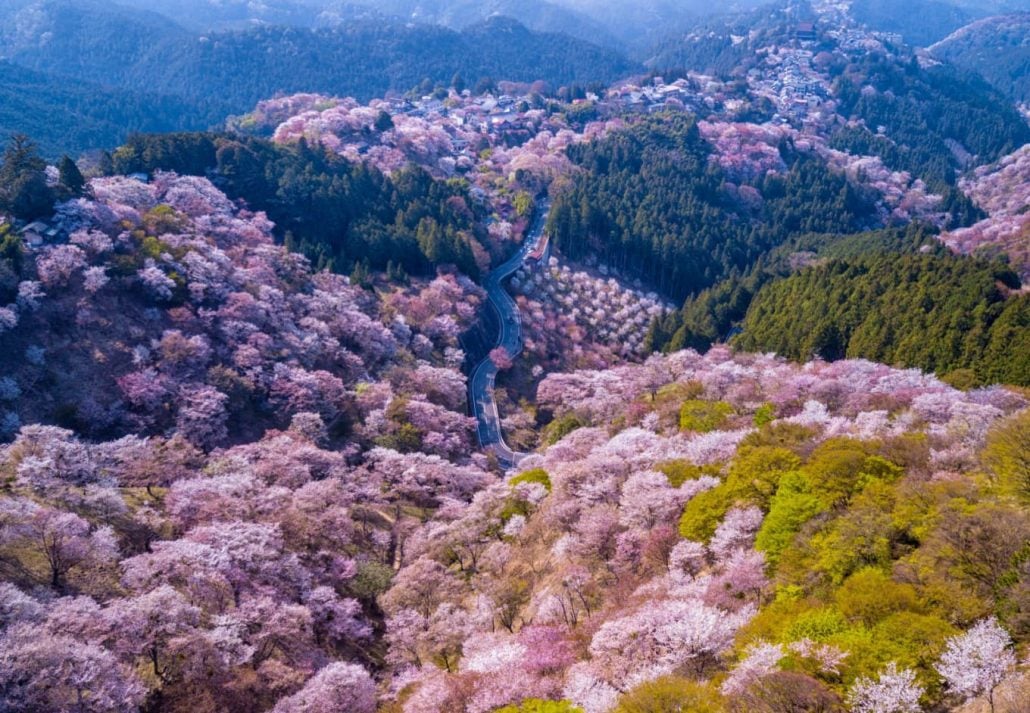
484, 375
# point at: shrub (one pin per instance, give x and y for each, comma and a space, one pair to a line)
870, 596
764, 415
536, 475
704, 416
671, 693
1007, 455
787, 691
817, 625
791, 507
561, 427
753, 479
680, 471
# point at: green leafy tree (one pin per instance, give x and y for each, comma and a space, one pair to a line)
704, 416
1007, 455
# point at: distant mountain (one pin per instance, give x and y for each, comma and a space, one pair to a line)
994, 7
226, 14
635, 26
66, 116
219, 73
919, 22
716, 45
642, 23
996, 47
617, 24
538, 15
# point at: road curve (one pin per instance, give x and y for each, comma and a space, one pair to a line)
481, 383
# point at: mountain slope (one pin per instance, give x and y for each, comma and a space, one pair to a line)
228, 72
919, 22
538, 15
996, 47
222, 14
66, 116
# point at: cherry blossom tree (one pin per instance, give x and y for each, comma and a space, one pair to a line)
737, 530
59, 673
547, 649
894, 691
66, 542
337, 620
337, 687
8, 319
202, 415
665, 636
154, 627
30, 295
648, 499
501, 358
16, 607
95, 279
422, 586
57, 264
155, 281
53, 457
760, 660
974, 663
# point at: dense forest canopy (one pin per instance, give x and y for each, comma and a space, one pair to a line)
71, 116
339, 213
649, 202
710, 316
995, 48
929, 118
942, 313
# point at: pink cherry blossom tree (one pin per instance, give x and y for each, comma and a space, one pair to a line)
59, 673
337, 687
974, 663
893, 691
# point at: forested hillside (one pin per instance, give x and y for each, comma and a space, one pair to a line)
70, 116
710, 316
932, 124
935, 121
339, 213
941, 313
649, 202
919, 22
997, 48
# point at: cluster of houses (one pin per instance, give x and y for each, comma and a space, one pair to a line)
35, 234
505, 115
685, 94
790, 81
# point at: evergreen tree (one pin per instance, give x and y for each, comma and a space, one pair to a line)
384, 122
71, 176
23, 186
105, 165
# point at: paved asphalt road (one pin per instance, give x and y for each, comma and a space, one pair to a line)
481, 385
